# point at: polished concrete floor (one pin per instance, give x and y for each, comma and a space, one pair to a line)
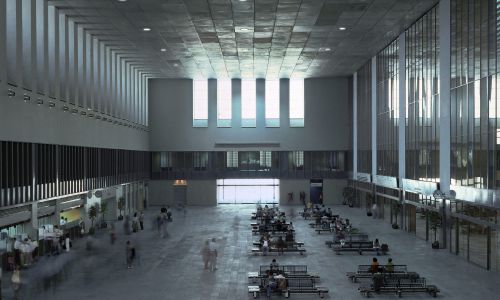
171, 268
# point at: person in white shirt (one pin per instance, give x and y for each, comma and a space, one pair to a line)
213, 255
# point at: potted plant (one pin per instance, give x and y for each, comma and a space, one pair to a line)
103, 210
348, 194
121, 207
93, 212
435, 220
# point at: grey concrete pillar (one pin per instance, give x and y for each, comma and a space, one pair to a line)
402, 107
444, 110
402, 120
355, 125
3, 66
374, 115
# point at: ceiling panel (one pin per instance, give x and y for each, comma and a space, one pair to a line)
249, 38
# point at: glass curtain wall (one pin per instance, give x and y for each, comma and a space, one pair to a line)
475, 134
422, 98
364, 119
388, 110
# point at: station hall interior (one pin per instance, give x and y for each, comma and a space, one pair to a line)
171, 149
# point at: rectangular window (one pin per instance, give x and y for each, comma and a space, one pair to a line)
200, 103
298, 159
265, 159
232, 159
165, 161
200, 161
224, 100
248, 103
296, 102
272, 103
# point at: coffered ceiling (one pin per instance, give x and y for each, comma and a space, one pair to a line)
247, 39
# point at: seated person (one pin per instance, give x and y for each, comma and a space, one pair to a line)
389, 267
374, 266
270, 285
289, 236
274, 267
290, 226
376, 246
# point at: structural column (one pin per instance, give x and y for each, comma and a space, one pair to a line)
444, 111
2, 45
402, 118
374, 115
355, 125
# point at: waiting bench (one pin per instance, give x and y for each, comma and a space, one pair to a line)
289, 271
356, 237
287, 243
359, 247
398, 272
300, 250
400, 286
293, 286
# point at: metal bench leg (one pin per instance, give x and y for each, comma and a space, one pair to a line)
254, 295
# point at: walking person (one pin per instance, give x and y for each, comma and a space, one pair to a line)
130, 254
112, 234
213, 255
135, 223
141, 220
16, 282
205, 254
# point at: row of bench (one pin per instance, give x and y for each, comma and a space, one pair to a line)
295, 279
397, 281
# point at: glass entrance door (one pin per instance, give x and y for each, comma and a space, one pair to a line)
235, 191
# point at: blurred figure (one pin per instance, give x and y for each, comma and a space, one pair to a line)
67, 243
130, 254
135, 223
213, 255
16, 281
126, 225
205, 254
141, 220
112, 234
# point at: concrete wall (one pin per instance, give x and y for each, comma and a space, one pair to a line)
28, 122
199, 192
326, 117
332, 191
202, 192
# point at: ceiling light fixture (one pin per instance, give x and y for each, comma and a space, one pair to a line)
147, 29
244, 29
176, 65
122, 0
163, 50
327, 49
342, 28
